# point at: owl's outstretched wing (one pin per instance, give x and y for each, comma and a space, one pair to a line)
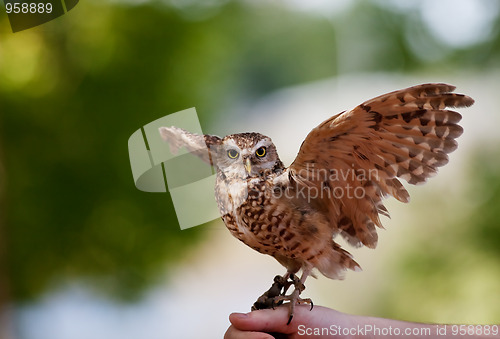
354, 159
202, 146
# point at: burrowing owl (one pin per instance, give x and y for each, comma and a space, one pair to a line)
343, 170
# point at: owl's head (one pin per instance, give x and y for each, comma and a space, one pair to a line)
246, 155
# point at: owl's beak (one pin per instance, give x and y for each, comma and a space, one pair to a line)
248, 166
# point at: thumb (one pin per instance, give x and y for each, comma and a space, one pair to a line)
269, 320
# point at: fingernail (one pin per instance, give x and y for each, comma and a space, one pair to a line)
240, 315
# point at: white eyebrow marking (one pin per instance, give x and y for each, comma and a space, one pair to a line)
231, 143
264, 142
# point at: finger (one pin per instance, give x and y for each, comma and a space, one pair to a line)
268, 320
234, 333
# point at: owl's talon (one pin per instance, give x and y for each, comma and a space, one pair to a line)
267, 300
293, 299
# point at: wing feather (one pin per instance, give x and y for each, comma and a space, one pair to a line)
404, 134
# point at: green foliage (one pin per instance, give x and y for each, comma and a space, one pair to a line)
484, 224
450, 274
73, 91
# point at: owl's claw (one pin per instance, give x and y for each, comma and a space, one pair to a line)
267, 300
276, 295
293, 299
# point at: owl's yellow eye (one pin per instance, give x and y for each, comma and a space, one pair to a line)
233, 154
260, 152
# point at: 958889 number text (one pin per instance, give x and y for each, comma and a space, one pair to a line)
24, 7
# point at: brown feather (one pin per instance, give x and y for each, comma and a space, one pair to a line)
404, 134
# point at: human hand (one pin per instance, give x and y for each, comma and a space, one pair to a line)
322, 322
269, 324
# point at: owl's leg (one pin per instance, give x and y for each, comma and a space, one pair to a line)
294, 298
288, 283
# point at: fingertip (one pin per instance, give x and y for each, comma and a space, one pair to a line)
262, 320
237, 317
234, 333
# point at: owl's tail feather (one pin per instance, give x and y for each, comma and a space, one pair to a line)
335, 262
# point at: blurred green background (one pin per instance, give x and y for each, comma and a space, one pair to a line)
73, 90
